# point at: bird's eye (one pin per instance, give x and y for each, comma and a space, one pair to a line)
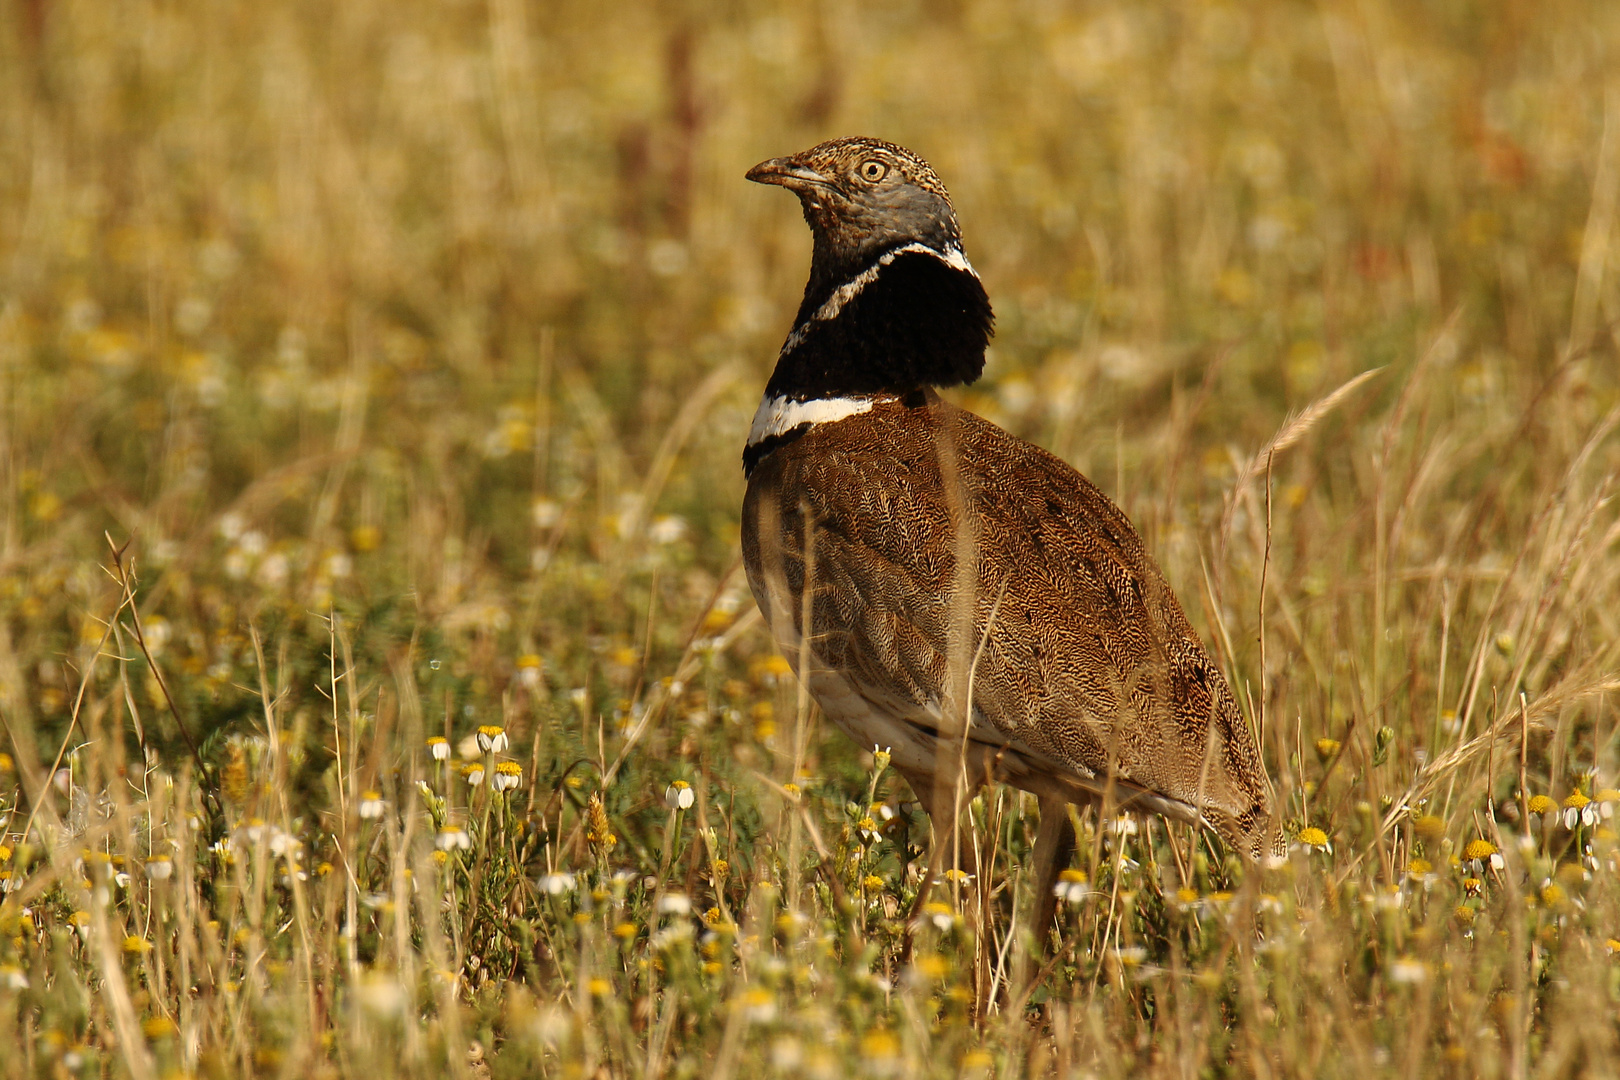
873, 171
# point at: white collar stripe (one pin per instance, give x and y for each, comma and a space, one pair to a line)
951, 257
780, 415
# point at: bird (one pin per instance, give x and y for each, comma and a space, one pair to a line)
952, 595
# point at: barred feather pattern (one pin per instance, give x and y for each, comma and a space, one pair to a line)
1085, 667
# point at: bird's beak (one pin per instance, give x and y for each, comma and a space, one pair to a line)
785, 172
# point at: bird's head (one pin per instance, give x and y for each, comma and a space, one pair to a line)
863, 197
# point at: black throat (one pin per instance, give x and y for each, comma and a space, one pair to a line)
908, 321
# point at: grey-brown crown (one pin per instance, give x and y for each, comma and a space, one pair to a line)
862, 197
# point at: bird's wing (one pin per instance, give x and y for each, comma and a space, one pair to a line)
1070, 640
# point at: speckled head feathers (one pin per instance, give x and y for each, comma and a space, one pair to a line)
841, 160
862, 197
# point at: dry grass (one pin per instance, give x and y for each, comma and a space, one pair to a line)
409, 349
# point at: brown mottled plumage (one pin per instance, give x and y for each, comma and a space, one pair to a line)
948, 561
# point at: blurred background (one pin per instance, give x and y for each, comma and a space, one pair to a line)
450, 316
408, 349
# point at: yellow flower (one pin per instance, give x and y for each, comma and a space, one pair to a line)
625, 931
45, 506
1429, 827
1072, 886
940, 915
758, 1005
1313, 837
977, 1059
1541, 804
135, 946
932, 966
508, 775
599, 987
872, 883
879, 1047
492, 738
365, 538
158, 1027
1419, 867
1326, 748
776, 667
1481, 852
1463, 914
1578, 810
1553, 895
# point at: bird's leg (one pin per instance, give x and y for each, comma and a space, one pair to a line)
1054, 845
953, 845
939, 801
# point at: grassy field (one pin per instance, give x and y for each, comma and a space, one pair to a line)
373, 376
